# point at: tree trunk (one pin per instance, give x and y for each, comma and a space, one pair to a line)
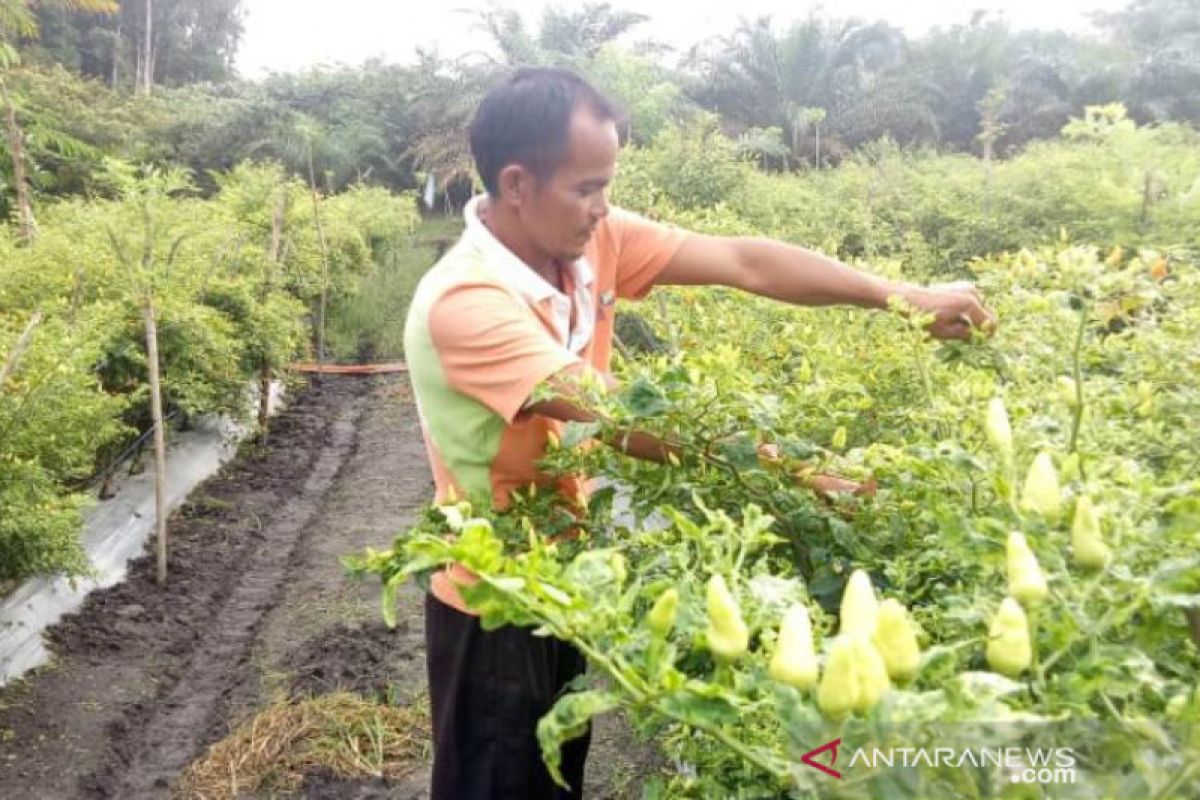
264, 401
116, 58
817, 127
664, 314
146, 59
988, 141
1147, 198
160, 438
26, 226
312, 185
990, 129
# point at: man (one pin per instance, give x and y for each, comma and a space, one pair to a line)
525, 298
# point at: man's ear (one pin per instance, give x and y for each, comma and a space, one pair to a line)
516, 184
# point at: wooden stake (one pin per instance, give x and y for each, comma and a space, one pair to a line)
14, 357
160, 439
265, 371
312, 185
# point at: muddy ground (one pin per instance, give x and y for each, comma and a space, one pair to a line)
145, 678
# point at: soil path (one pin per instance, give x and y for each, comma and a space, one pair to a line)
146, 678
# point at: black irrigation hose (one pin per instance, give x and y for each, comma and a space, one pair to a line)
103, 474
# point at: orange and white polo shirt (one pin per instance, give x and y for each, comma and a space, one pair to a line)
484, 329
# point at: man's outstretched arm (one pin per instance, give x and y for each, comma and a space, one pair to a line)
795, 275
567, 404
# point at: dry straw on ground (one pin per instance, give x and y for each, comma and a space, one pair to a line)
342, 734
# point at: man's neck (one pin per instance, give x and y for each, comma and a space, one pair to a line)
547, 267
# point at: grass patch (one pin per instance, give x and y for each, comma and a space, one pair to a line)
341, 733
369, 326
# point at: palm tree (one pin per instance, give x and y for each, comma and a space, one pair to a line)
507, 30
446, 97
741, 76
1037, 100
579, 35
448, 92
1165, 36
839, 71
18, 22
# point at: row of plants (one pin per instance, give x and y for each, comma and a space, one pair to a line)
236, 284
1105, 181
1034, 537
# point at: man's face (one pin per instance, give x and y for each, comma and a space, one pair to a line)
561, 213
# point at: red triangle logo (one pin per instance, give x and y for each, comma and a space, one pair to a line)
807, 758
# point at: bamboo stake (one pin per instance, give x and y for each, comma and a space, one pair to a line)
265, 373
10, 363
160, 439
312, 185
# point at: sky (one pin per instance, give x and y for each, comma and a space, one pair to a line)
286, 35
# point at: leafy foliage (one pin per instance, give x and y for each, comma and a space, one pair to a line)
1106, 181
1094, 361
1112, 645
226, 309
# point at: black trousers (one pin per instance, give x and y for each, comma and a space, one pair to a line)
488, 689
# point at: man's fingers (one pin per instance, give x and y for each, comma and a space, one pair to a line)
959, 307
979, 314
976, 316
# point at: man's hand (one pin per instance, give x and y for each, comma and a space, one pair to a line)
956, 308
567, 404
827, 485
795, 275
822, 483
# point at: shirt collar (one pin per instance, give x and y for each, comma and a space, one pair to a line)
515, 272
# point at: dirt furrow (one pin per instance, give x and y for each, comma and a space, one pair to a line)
168, 740
67, 730
146, 678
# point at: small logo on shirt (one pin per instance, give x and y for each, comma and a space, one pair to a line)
606, 302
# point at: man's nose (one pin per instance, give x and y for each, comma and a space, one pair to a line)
600, 208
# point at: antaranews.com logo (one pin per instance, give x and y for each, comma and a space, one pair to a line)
1042, 765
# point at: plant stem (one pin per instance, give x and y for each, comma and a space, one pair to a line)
1110, 619
1077, 423
927, 384
1182, 777
14, 357
747, 754
640, 697
672, 334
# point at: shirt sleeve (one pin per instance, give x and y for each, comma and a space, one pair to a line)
492, 349
643, 249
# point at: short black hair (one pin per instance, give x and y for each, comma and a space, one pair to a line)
526, 120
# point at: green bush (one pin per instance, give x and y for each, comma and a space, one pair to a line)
232, 280
1106, 182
